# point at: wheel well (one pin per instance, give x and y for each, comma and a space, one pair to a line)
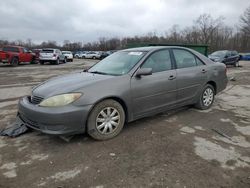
120, 101
14, 57
212, 83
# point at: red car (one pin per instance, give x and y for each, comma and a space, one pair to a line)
14, 55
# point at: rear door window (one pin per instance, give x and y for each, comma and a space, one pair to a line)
199, 62
184, 59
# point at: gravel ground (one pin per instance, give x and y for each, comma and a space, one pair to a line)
173, 149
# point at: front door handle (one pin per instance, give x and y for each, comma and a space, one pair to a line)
171, 77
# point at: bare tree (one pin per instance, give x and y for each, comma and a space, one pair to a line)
245, 21
207, 26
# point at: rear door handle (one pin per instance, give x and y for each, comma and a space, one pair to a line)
171, 77
203, 70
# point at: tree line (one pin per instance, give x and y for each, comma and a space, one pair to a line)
204, 30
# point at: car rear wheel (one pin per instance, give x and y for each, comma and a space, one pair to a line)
106, 120
33, 60
206, 98
14, 61
57, 61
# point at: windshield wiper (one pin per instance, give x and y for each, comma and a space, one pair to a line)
98, 72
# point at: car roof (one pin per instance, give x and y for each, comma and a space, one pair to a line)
15, 46
153, 48
49, 49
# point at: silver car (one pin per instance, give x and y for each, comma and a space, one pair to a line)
54, 56
68, 55
125, 86
92, 55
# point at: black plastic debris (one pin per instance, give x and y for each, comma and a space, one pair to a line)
232, 79
224, 135
16, 129
67, 138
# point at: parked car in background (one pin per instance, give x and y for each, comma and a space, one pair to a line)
53, 56
245, 56
126, 86
225, 56
79, 55
14, 55
68, 55
92, 55
104, 54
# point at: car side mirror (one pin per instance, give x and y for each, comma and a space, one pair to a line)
144, 72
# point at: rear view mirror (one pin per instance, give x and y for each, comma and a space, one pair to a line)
144, 72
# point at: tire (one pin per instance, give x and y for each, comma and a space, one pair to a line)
14, 62
57, 62
204, 104
41, 62
236, 64
65, 60
102, 130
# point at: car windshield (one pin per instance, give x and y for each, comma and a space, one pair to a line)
119, 63
219, 53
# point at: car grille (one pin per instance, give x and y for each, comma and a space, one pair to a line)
36, 99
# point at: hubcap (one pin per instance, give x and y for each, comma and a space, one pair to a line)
208, 96
107, 120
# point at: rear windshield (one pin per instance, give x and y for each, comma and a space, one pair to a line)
47, 51
10, 49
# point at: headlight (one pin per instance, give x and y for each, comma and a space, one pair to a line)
60, 100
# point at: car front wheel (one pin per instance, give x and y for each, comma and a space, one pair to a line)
206, 98
106, 120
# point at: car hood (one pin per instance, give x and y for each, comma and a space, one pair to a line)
212, 57
67, 83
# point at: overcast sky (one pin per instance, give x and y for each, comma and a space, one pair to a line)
88, 20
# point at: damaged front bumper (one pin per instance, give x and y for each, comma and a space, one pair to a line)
66, 120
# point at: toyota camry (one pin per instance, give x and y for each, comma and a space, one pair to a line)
127, 85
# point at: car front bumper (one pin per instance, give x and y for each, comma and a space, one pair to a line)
66, 120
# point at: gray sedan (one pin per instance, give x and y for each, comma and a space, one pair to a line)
126, 86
